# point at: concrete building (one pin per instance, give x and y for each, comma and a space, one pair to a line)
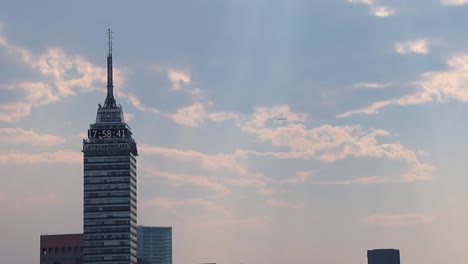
155, 244
110, 175
383, 256
61, 249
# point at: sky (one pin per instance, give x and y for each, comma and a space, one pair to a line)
268, 131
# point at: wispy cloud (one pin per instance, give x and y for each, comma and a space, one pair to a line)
136, 102
194, 180
19, 135
283, 204
371, 85
68, 157
210, 215
382, 11
299, 177
196, 114
433, 86
365, 2
267, 191
420, 46
173, 204
374, 8
179, 78
226, 168
27, 200
193, 115
61, 75
399, 220
219, 161
454, 2
417, 172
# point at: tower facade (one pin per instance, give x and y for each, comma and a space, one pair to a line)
110, 175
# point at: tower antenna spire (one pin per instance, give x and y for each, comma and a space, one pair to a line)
110, 101
109, 34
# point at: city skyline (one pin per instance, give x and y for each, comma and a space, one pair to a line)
268, 131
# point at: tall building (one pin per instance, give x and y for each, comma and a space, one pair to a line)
155, 244
110, 184
64, 248
383, 256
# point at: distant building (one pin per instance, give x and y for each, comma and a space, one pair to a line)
60, 249
154, 244
383, 256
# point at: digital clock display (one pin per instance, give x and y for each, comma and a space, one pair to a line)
108, 133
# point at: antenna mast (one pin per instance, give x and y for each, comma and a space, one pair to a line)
110, 101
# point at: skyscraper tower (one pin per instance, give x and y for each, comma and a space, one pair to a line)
110, 203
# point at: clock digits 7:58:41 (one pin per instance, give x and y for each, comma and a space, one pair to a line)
108, 133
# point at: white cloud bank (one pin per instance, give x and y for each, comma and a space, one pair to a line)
330, 143
451, 84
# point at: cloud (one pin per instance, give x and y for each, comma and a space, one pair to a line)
67, 157
135, 102
178, 79
433, 86
37, 94
328, 143
299, 177
129, 117
417, 172
374, 9
454, 2
19, 135
193, 115
365, 2
371, 85
28, 200
209, 216
399, 220
201, 181
267, 191
382, 11
196, 114
222, 116
283, 204
61, 75
181, 80
200, 203
420, 46
219, 161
